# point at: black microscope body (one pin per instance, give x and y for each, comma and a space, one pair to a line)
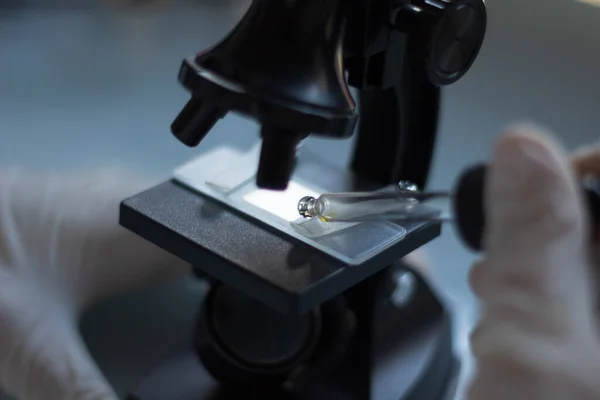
282, 319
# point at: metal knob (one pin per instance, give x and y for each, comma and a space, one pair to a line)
306, 206
449, 35
407, 186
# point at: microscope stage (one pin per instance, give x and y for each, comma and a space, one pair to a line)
248, 244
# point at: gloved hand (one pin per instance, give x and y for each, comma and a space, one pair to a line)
61, 250
538, 334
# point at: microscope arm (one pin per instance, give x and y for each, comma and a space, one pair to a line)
400, 91
397, 130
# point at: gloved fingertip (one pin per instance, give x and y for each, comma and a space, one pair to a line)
524, 149
530, 179
535, 223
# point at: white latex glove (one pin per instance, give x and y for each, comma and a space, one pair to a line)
537, 337
61, 249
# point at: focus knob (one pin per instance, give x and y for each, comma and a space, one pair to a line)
447, 35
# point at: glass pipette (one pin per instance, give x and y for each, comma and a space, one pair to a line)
465, 204
364, 206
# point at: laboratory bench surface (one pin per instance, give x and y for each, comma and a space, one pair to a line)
84, 86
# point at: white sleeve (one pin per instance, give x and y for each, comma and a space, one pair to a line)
61, 249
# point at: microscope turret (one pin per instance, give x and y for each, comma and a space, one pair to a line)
282, 65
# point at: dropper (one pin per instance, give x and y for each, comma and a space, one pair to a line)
408, 204
365, 206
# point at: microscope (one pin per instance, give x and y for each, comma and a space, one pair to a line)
336, 314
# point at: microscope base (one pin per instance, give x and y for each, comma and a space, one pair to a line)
394, 375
